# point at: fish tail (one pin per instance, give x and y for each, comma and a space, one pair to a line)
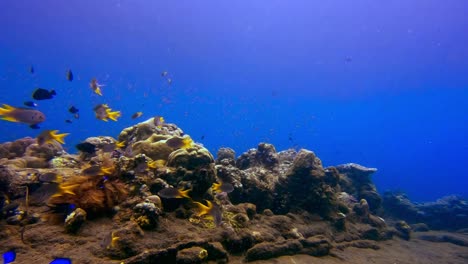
187, 143
185, 193
216, 186
107, 170
59, 137
98, 91
6, 109
113, 115
203, 209
120, 144
59, 179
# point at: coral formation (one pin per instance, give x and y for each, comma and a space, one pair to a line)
192, 208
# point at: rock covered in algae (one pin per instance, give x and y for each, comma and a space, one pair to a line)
75, 220
183, 164
282, 181
191, 255
146, 215
356, 180
16, 148
227, 155
146, 129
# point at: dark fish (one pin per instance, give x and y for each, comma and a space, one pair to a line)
28, 116
31, 69
96, 170
73, 110
68, 121
179, 142
173, 193
9, 257
30, 104
137, 115
202, 137
110, 241
61, 261
10, 207
69, 75
212, 210
223, 187
43, 94
158, 121
164, 73
51, 136
95, 86
50, 177
43, 193
104, 112
86, 147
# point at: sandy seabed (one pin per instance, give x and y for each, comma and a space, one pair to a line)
394, 251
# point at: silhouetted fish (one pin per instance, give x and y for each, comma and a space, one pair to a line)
69, 75
43, 94
86, 147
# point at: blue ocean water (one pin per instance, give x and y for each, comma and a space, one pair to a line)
383, 84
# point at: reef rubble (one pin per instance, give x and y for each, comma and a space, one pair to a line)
104, 204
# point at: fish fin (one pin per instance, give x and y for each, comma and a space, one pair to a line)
107, 170
184, 193
58, 137
6, 109
120, 144
203, 209
187, 143
59, 179
52, 92
113, 115
9, 118
98, 91
216, 186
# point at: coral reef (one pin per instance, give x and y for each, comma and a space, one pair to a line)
122, 200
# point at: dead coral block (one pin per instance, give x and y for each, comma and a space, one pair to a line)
191, 255
267, 250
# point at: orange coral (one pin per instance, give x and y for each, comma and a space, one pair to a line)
94, 194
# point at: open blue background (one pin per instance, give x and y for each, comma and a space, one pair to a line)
383, 84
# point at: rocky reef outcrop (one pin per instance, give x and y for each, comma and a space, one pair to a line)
154, 195
447, 213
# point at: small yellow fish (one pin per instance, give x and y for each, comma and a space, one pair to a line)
49, 136
112, 240
95, 86
104, 112
50, 177
223, 187
137, 115
31, 117
184, 142
211, 210
158, 121
97, 170
174, 193
155, 164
